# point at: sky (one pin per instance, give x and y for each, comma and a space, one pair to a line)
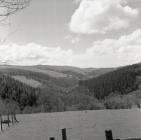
82, 33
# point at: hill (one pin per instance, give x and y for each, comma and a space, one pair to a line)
50, 85
58, 77
123, 81
61, 88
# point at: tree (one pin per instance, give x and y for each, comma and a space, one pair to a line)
11, 107
2, 107
8, 7
118, 102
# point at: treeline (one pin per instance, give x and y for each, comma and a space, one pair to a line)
50, 101
122, 81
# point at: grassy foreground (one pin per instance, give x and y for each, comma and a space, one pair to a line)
82, 125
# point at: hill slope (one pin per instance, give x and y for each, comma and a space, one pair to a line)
72, 88
57, 77
122, 80
14, 90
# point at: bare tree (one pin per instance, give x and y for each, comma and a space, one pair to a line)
11, 108
2, 110
8, 7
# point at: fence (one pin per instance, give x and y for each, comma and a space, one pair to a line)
108, 135
7, 121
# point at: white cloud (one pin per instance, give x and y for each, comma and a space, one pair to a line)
105, 53
72, 39
32, 54
100, 16
76, 1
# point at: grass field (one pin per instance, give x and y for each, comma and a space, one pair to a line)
84, 125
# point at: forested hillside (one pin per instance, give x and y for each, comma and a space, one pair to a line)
123, 81
12, 89
45, 80
61, 78
37, 91
44, 88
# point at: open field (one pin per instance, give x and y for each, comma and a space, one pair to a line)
83, 125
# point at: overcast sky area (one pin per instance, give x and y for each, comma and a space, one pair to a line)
82, 33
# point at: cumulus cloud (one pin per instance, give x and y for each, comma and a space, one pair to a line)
106, 53
76, 1
72, 39
100, 16
32, 54
115, 52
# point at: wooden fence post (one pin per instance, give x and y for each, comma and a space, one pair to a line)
1, 122
8, 119
12, 118
108, 134
64, 135
51, 138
